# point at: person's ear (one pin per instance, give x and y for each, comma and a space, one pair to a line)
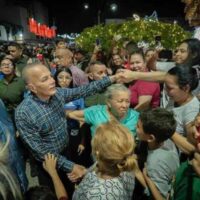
32, 88
90, 75
151, 138
186, 88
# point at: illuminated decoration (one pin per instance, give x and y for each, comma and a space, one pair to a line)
33, 25
136, 17
153, 16
141, 31
41, 30
70, 38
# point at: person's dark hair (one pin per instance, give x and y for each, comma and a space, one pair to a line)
158, 122
81, 51
165, 54
5, 58
39, 193
186, 75
58, 71
194, 51
14, 44
91, 65
138, 51
131, 47
59, 40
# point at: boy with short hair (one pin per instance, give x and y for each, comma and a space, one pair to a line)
156, 128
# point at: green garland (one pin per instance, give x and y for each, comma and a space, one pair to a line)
138, 31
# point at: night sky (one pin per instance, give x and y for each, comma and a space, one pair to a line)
69, 16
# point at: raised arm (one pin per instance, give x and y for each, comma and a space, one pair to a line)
183, 143
143, 102
87, 90
49, 165
129, 76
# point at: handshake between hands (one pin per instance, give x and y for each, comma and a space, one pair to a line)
123, 76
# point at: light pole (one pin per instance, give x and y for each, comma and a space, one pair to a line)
99, 17
101, 5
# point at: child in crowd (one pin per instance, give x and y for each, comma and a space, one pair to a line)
155, 127
63, 79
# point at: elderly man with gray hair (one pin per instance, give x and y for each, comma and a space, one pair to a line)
41, 121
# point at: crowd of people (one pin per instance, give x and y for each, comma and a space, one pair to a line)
123, 124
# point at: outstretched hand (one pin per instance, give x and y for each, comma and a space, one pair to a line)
125, 76
77, 173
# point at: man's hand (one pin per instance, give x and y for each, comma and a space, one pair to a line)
125, 76
77, 173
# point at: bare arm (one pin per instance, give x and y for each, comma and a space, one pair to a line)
183, 143
140, 177
154, 191
97, 48
143, 102
50, 166
129, 76
77, 115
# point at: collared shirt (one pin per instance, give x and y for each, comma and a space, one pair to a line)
43, 125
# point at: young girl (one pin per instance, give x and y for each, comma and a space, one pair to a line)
63, 78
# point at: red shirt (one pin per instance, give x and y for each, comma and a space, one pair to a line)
145, 88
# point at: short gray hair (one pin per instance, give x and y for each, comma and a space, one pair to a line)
115, 88
27, 68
